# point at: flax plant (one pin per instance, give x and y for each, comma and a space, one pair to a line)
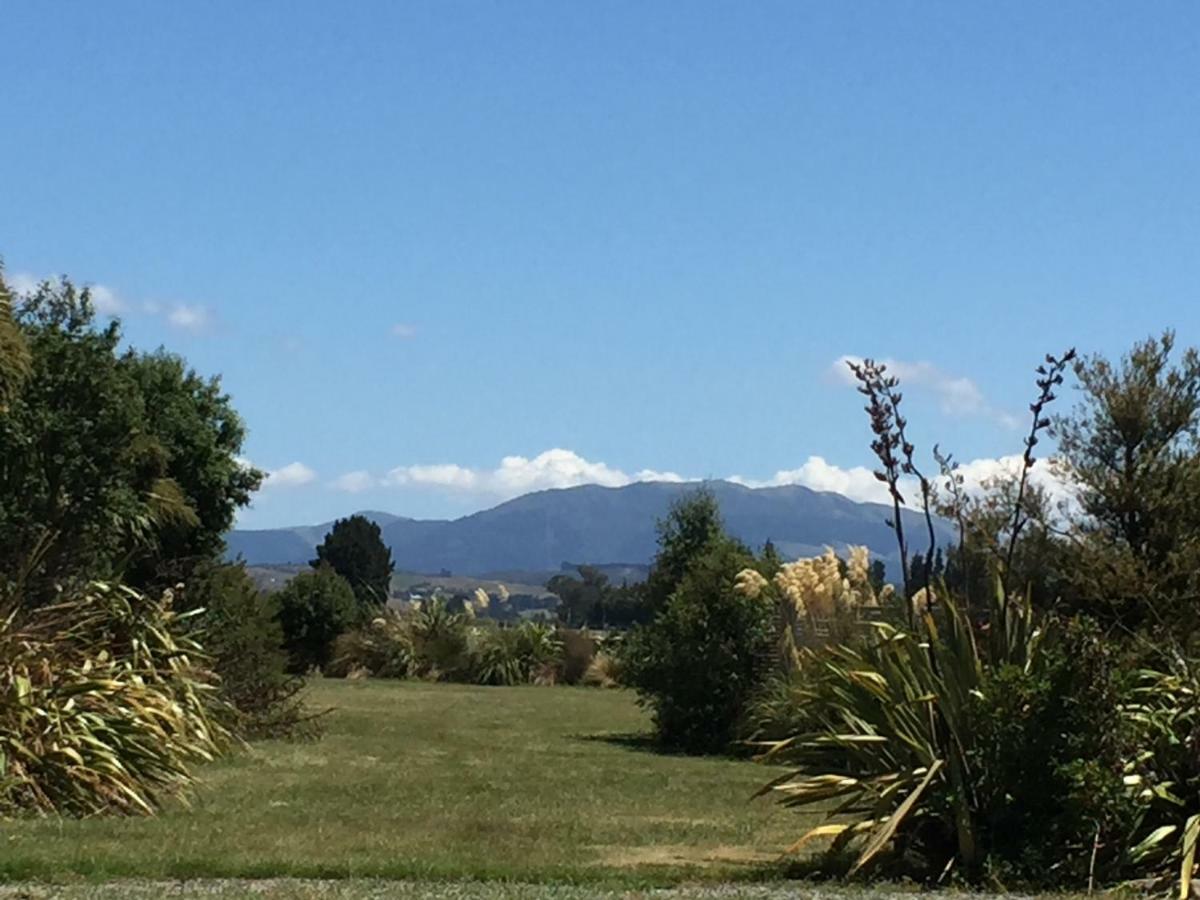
889, 744
105, 706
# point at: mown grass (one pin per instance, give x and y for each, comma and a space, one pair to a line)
441, 782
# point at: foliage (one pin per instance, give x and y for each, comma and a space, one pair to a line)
199, 436
355, 550
579, 649
240, 631
14, 353
697, 665
1132, 450
381, 649
108, 463
691, 528
1165, 711
818, 600
604, 671
441, 642
987, 738
528, 653
591, 602
104, 704
314, 608
432, 643
891, 733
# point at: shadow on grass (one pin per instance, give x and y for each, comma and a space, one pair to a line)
647, 742
643, 741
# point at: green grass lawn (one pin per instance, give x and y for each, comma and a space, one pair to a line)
419, 781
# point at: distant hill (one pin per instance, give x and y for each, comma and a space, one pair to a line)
538, 532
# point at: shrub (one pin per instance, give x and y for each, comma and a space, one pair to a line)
441, 642
381, 649
604, 671
1164, 709
941, 748
699, 663
578, 652
522, 655
104, 705
314, 608
240, 630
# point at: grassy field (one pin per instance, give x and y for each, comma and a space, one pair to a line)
441, 782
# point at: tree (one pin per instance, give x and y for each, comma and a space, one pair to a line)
109, 464
354, 548
75, 480
14, 354
590, 601
581, 601
702, 659
691, 528
200, 437
314, 608
1131, 447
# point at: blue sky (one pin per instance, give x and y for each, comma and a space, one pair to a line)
417, 239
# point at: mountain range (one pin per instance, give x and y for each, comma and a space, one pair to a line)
542, 531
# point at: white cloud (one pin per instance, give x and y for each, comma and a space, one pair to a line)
447, 475
192, 319
104, 299
22, 282
354, 482
978, 472
857, 483
292, 475
403, 331
653, 475
957, 395
516, 475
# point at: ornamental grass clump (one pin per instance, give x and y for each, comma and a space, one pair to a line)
105, 705
382, 649
526, 654
816, 602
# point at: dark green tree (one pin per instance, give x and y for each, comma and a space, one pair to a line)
109, 464
700, 662
690, 529
355, 550
76, 471
314, 608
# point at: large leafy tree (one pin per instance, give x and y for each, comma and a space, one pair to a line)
74, 478
110, 463
355, 550
199, 436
